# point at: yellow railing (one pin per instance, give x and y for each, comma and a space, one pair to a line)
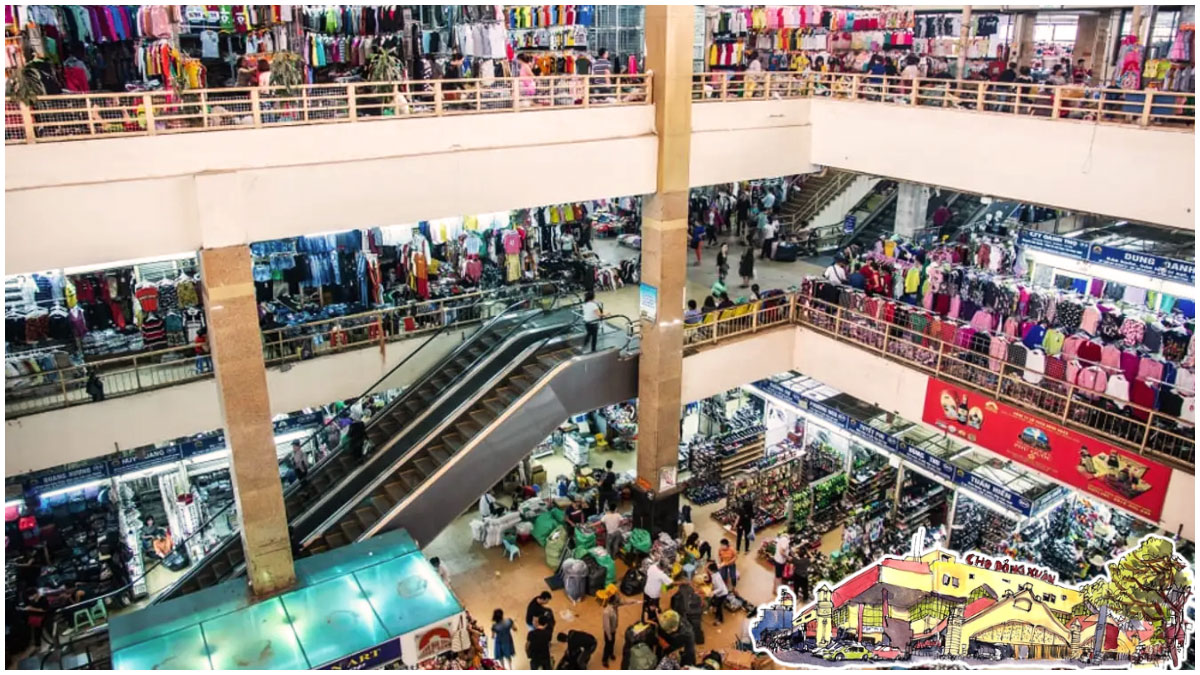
107, 115
1146, 431
1143, 108
145, 371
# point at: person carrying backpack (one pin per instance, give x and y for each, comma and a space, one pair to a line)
638, 652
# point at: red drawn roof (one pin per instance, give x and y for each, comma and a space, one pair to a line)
978, 606
854, 586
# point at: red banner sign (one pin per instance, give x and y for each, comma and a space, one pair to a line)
1122, 478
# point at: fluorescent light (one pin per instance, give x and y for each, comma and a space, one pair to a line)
152, 471
1081, 267
206, 457
14, 502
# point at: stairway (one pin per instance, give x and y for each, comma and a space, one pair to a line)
812, 196
317, 492
420, 469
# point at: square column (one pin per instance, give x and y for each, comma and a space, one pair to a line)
669, 34
236, 343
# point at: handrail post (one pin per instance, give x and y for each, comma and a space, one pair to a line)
980, 90
62, 384
767, 85
516, 94
137, 375
724, 88
27, 122
352, 101
437, 98
1147, 106
587, 92
916, 88
854, 88
148, 106
256, 108
1056, 106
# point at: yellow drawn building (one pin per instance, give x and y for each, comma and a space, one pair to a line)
939, 605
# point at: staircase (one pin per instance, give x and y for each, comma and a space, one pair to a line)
814, 193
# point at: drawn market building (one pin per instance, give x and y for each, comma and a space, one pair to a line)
936, 605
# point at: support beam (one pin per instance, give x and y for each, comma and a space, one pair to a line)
964, 38
669, 31
241, 375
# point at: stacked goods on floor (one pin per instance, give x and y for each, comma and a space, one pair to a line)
978, 528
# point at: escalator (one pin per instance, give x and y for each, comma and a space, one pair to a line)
315, 496
478, 431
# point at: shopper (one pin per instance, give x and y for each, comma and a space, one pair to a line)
264, 74
608, 487
755, 293
727, 563
537, 644
719, 590
539, 607
601, 70
800, 571
443, 573
299, 460
608, 620
679, 638
743, 212
768, 238
780, 559
526, 82
722, 262
689, 605
585, 234
744, 525
203, 360
94, 387
503, 649
837, 273
36, 609
710, 305
697, 240
718, 288
1057, 76
593, 312
612, 527
656, 581
746, 266
580, 647
691, 315
489, 507
247, 74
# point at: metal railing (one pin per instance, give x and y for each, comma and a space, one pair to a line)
1144, 108
146, 371
1146, 431
152, 113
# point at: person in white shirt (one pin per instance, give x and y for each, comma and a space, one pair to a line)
769, 238
488, 507
719, 591
836, 273
592, 313
783, 549
441, 569
656, 581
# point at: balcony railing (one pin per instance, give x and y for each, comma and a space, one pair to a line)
1144, 108
152, 113
146, 371
1148, 432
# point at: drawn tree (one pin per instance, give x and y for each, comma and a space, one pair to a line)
1098, 597
1151, 583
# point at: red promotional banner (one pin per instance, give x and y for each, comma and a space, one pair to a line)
1122, 478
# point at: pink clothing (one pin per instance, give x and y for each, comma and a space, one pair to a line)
983, 320
1091, 320
1150, 369
1110, 357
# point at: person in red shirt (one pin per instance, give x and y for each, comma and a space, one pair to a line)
873, 283
203, 360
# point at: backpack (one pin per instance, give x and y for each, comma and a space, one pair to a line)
641, 657
633, 582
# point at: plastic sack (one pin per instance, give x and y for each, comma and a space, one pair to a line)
638, 540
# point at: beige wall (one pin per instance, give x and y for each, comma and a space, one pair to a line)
749, 139
54, 438
1141, 174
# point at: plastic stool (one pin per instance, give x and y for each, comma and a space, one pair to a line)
511, 549
81, 616
99, 612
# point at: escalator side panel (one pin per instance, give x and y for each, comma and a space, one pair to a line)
585, 383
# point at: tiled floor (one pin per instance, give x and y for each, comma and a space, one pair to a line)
484, 580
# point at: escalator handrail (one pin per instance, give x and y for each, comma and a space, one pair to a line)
307, 538
312, 441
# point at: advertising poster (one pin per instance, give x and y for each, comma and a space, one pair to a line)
1124, 479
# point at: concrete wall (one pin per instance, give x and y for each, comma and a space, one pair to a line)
741, 140
129, 198
59, 437
1127, 172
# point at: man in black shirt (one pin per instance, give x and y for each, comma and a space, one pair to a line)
1008, 75
608, 486
537, 645
538, 608
745, 524
580, 646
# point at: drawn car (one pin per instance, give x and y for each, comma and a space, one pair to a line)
848, 652
886, 653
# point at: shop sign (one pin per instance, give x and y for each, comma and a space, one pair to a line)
1144, 264
850, 223
368, 659
647, 302
1006, 566
59, 479
997, 493
1052, 243
203, 445
295, 422
136, 460
434, 641
1124, 479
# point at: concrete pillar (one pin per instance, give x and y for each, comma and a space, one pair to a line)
1023, 42
237, 355
1087, 29
669, 35
912, 205
964, 37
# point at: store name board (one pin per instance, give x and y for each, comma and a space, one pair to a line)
912, 454
137, 460
1145, 264
368, 659
296, 422
202, 446
61, 479
1005, 566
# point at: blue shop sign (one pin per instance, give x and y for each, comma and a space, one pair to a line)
295, 422
996, 493
850, 223
203, 445
136, 460
55, 480
1052, 243
368, 659
1143, 263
